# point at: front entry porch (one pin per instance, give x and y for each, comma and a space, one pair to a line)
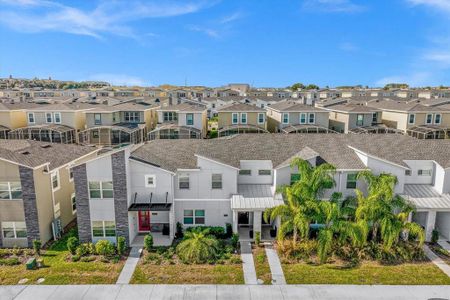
159, 239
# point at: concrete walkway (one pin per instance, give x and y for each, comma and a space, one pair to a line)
130, 266
437, 261
248, 265
219, 292
444, 244
275, 266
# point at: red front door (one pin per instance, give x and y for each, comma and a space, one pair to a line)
144, 220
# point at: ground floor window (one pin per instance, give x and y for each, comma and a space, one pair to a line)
74, 203
14, 230
194, 217
295, 178
103, 229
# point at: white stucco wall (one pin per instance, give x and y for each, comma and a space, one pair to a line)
255, 166
217, 212
443, 224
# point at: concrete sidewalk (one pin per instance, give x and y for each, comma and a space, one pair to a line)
437, 260
275, 266
233, 292
248, 264
130, 265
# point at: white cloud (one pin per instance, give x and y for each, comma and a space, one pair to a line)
119, 79
412, 79
333, 6
441, 58
348, 47
441, 5
208, 31
111, 17
231, 18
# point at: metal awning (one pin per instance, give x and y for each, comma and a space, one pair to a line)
150, 207
239, 202
424, 196
125, 127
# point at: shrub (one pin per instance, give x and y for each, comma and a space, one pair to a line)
179, 231
228, 230
198, 247
257, 238
104, 248
72, 244
235, 240
235, 260
434, 236
12, 261
121, 245
37, 247
87, 258
91, 249
153, 258
148, 242
4, 253
17, 251
217, 231
82, 250
75, 258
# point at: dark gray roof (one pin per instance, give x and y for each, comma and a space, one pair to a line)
279, 148
33, 154
291, 106
241, 107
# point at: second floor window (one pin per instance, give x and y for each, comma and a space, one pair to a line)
55, 181
302, 118
190, 119
100, 189
411, 119
183, 182
243, 118
351, 181
31, 118
216, 181
49, 117
261, 118
424, 172
170, 116
10, 190
245, 172
132, 116
375, 117
285, 118
97, 119
312, 118
429, 119
57, 117
437, 119
234, 118
264, 172
359, 120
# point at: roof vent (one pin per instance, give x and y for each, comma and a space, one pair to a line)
25, 153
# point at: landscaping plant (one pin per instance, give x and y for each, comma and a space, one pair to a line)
148, 242
434, 236
198, 247
37, 247
121, 246
72, 244
105, 248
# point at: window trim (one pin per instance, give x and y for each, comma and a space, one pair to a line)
359, 122
54, 117
189, 182
101, 190
300, 118
153, 185
283, 119
431, 119
314, 118
374, 117
413, 117
187, 123
10, 191
263, 118
72, 198
14, 230
440, 119
99, 120
212, 181
242, 119
194, 223
54, 189
233, 120
34, 118
264, 170
47, 119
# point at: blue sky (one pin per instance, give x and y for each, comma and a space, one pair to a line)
261, 42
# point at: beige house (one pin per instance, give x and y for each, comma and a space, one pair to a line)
181, 121
293, 117
54, 123
241, 118
12, 116
37, 197
415, 119
349, 117
126, 123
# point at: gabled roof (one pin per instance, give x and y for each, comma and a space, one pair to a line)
401, 106
351, 108
184, 107
241, 107
291, 106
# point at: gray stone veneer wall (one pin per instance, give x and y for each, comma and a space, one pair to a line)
29, 204
82, 200
119, 174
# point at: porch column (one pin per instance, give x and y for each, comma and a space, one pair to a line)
257, 215
235, 221
431, 222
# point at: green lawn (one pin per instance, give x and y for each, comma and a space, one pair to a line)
425, 273
60, 270
262, 265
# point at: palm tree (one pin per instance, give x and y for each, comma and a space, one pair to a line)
294, 215
313, 180
336, 220
198, 247
384, 211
